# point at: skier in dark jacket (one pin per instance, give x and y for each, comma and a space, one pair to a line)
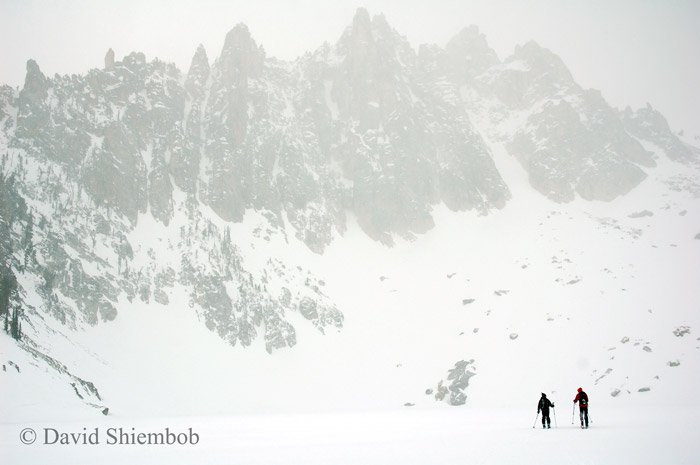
582, 399
543, 406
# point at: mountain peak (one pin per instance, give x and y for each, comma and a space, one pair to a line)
200, 57
360, 32
542, 61
531, 50
199, 70
362, 36
469, 33
109, 60
33, 68
379, 21
471, 52
370, 28
361, 17
237, 38
34, 81
240, 57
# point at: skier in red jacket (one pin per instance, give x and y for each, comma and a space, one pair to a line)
582, 399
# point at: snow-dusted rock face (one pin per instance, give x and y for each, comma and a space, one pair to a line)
397, 142
457, 382
124, 183
649, 125
569, 140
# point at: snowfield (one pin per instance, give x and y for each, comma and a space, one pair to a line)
634, 434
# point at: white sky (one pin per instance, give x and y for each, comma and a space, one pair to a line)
633, 51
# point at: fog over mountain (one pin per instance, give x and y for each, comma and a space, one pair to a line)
142, 185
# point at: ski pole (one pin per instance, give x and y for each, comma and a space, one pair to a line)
555, 417
536, 416
573, 409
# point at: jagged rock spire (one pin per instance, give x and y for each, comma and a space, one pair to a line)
35, 81
241, 57
109, 60
199, 71
200, 59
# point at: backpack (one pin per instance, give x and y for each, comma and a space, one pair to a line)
583, 400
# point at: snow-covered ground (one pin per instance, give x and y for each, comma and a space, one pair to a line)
633, 434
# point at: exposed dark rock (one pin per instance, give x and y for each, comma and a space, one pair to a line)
109, 60
641, 214
681, 331
458, 381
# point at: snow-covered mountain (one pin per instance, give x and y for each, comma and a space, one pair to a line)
368, 225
